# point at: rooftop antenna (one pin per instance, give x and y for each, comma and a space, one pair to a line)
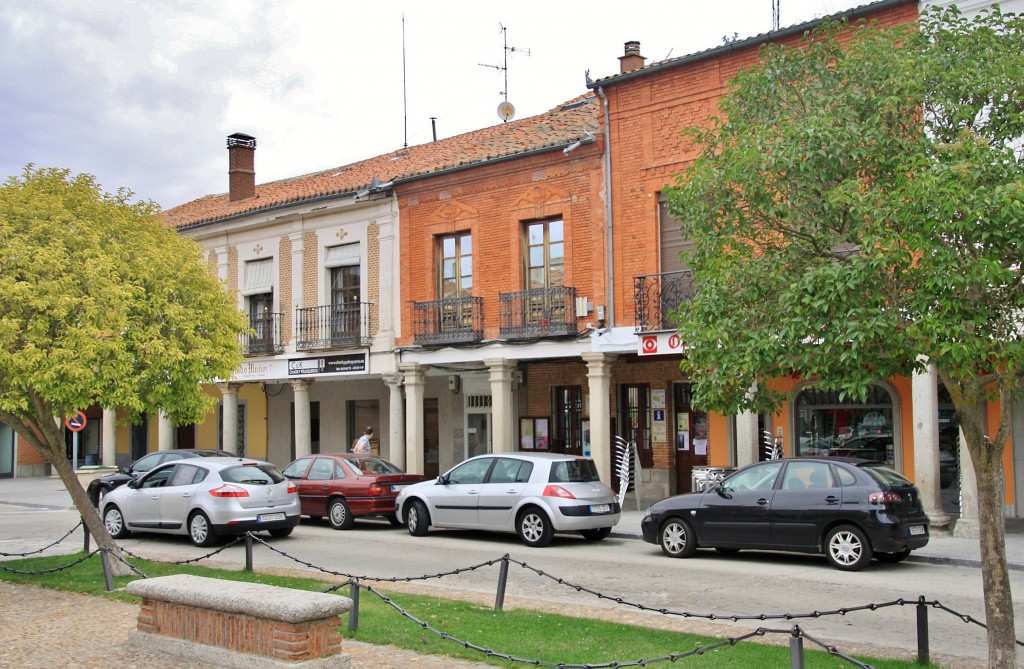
775, 14
505, 110
404, 105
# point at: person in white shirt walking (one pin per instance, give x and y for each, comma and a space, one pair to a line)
362, 444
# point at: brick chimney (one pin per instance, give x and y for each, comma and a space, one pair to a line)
241, 166
632, 60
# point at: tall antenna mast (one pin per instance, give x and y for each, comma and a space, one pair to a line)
505, 109
404, 103
775, 14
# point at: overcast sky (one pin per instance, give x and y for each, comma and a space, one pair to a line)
143, 94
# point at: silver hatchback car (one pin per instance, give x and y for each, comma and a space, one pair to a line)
204, 498
532, 494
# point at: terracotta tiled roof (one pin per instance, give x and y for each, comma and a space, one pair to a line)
558, 127
852, 14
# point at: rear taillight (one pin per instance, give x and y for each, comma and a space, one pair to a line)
228, 490
292, 488
376, 490
558, 491
885, 497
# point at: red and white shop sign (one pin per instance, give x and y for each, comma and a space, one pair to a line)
662, 343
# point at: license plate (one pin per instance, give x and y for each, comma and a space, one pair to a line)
916, 529
267, 517
600, 508
398, 486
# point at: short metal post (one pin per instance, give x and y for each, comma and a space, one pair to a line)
248, 551
85, 528
796, 649
922, 631
353, 613
107, 576
499, 600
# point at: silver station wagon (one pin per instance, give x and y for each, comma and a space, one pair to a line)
532, 494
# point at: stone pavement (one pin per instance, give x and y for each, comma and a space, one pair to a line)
42, 628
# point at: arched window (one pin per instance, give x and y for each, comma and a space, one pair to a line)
828, 425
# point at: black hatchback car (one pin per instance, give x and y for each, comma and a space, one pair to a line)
851, 510
101, 486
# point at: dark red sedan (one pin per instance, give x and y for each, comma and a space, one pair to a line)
344, 486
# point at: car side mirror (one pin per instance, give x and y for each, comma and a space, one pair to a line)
722, 491
134, 483
442, 480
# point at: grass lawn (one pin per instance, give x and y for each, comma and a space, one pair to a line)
525, 634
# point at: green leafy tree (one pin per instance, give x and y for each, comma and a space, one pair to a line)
102, 305
857, 214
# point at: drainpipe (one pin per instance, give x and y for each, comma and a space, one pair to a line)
608, 208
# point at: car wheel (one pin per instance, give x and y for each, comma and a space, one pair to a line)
893, 558
339, 515
596, 534
677, 538
534, 528
417, 519
281, 532
847, 548
114, 521
200, 530
394, 520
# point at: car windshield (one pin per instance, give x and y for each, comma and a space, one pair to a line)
573, 471
371, 465
252, 474
885, 476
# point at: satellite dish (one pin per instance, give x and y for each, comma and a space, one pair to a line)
506, 111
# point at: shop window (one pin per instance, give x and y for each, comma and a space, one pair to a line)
832, 426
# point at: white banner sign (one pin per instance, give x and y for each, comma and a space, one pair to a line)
661, 343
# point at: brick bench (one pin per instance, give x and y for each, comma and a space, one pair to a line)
235, 624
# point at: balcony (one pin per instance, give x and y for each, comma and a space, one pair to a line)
264, 336
536, 313
457, 320
658, 296
332, 326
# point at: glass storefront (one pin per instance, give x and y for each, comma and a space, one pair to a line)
830, 426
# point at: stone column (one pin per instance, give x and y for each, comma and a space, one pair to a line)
502, 421
396, 420
967, 525
229, 416
599, 375
109, 445
748, 441
303, 425
925, 398
164, 433
414, 386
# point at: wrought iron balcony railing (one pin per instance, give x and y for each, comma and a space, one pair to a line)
264, 336
657, 296
457, 320
540, 312
332, 326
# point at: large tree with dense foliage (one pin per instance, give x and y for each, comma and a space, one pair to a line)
102, 305
858, 213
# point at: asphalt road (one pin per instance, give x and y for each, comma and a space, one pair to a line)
617, 568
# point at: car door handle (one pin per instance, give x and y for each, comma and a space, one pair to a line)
762, 501
832, 499
512, 491
324, 486
472, 492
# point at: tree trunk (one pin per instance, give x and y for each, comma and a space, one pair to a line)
1002, 646
90, 514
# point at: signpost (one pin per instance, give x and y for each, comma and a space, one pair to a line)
76, 424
